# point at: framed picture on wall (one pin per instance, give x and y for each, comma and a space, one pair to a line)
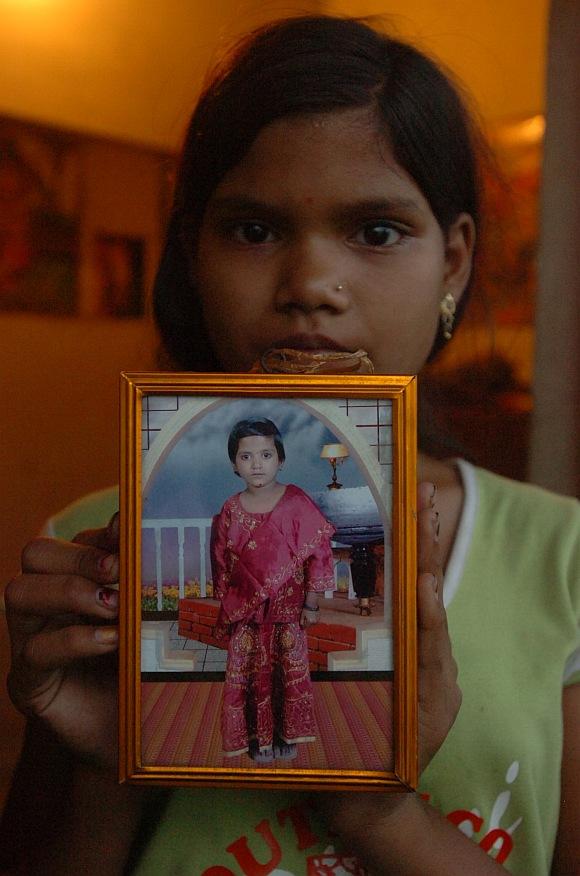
268, 618
70, 242
40, 218
119, 262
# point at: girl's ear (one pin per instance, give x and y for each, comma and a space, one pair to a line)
459, 247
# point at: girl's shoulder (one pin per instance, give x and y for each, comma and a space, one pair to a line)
526, 502
525, 532
294, 492
89, 512
299, 497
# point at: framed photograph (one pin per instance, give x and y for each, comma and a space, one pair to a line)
268, 580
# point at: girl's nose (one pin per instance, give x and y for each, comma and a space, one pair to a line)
310, 280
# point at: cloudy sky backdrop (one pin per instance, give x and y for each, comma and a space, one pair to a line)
196, 477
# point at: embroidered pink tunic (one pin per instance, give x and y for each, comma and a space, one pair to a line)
262, 566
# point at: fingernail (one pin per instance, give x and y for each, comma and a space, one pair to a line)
433, 583
436, 524
113, 525
106, 635
108, 597
108, 563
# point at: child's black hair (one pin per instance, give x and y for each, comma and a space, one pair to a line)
255, 426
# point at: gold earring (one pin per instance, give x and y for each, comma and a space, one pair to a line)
447, 308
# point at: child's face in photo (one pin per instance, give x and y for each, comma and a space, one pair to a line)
257, 461
318, 239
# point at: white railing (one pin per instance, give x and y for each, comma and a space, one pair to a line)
202, 524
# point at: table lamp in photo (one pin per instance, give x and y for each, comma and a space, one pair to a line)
336, 454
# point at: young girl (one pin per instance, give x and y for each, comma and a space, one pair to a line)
270, 556
327, 200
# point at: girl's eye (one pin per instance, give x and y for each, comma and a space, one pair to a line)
267, 454
379, 234
251, 232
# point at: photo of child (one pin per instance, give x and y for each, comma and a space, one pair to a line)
270, 555
254, 651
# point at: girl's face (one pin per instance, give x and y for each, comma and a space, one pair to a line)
257, 462
319, 240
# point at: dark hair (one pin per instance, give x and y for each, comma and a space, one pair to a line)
307, 65
255, 426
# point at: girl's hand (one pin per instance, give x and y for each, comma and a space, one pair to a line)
61, 612
309, 616
439, 694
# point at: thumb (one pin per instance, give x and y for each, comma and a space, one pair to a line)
106, 538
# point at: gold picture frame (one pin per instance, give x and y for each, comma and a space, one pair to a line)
175, 473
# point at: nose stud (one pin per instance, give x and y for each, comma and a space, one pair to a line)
339, 287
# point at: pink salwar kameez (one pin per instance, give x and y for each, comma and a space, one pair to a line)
262, 566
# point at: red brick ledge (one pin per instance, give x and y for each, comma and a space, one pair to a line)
197, 620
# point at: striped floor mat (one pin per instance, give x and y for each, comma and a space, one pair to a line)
180, 726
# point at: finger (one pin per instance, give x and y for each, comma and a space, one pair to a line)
428, 554
426, 495
52, 556
106, 538
62, 594
53, 649
439, 692
435, 652
428, 547
430, 612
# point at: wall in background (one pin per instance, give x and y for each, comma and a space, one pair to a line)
59, 388
132, 70
129, 70
497, 49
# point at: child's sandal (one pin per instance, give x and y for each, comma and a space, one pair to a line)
285, 750
262, 756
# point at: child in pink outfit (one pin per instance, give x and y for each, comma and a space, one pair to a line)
271, 555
